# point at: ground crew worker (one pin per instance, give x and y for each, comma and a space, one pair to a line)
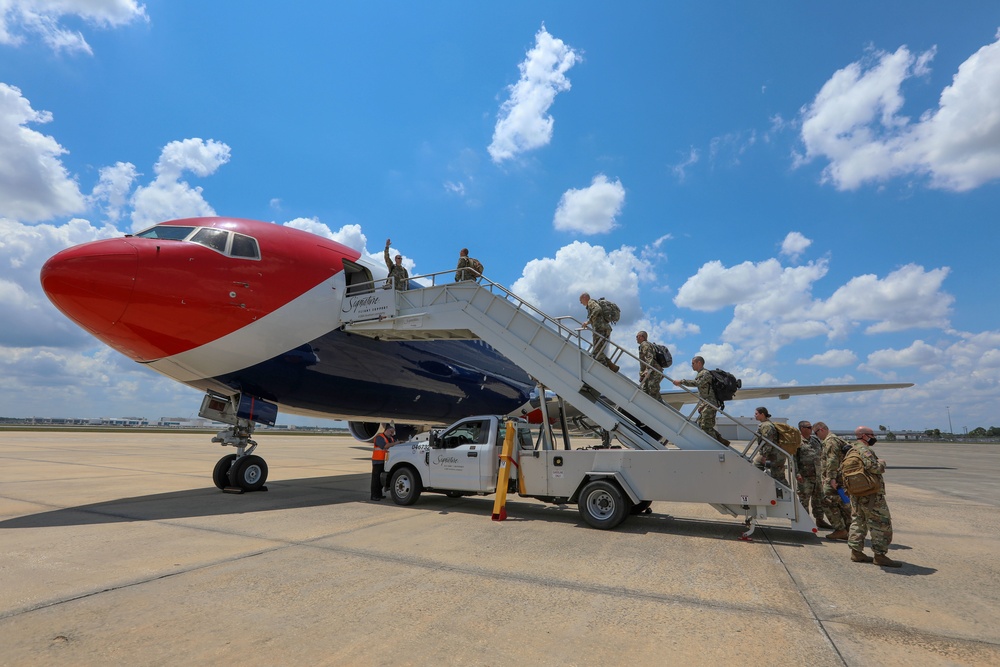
837, 511
652, 372
871, 513
398, 276
381, 444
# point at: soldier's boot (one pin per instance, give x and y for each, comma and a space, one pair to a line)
718, 436
613, 366
860, 557
838, 535
822, 524
885, 561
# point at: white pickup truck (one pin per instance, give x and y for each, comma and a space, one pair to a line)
606, 484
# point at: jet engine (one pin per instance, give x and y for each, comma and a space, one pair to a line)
366, 431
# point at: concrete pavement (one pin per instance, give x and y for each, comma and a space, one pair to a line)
117, 549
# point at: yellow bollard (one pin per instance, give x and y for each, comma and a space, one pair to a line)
500, 504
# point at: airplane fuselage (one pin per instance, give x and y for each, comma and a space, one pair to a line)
239, 306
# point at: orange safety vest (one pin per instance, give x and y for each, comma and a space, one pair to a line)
379, 453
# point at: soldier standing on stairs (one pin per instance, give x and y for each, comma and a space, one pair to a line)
707, 406
602, 330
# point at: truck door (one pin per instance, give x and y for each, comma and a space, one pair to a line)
461, 456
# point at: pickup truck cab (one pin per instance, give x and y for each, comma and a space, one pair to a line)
462, 459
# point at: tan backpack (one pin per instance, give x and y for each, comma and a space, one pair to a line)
858, 482
789, 437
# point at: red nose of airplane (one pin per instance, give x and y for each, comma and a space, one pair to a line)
92, 283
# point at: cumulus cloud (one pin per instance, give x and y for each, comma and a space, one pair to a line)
794, 245
831, 359
524, 122
34, 184
168, 197
774, 306
590, 210
113, 188
855, 123
919, 354
29, 319
22, 20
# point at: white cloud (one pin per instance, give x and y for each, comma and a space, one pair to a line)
831, 359
524, 123
774, 306
919, 354
42, 19
591, 210
114, 186
680, 169
855, 123
168, 197
909, 297
29, 318
34, 184
794, 245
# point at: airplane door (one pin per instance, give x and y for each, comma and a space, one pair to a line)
460, 454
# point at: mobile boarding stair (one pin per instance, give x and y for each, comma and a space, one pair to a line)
557, 357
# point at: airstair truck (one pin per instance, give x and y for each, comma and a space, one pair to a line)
607, 484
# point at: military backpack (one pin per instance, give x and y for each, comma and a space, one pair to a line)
789, 437
476, 266
663, 356
610, 310
858, 482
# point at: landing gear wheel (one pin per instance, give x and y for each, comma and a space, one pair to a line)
249, 473
641, 507
221, 473
405, 486
602, 504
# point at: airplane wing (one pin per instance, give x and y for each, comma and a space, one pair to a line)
678, 398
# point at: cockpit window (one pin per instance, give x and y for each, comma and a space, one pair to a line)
170, 232
215, 239
244, 246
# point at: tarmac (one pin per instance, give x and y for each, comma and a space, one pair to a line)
116, 548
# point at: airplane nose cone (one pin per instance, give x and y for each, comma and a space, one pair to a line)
92, 283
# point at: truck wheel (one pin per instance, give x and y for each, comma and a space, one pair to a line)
405, 486
602, 504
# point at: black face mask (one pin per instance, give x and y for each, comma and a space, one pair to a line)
872, 440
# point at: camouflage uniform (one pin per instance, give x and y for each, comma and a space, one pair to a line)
810, 489
838, 514
706, 409
871, 513
464, 270
768, 456
399, 274
651, 375
602, 329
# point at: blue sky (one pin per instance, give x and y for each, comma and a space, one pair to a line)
804, 193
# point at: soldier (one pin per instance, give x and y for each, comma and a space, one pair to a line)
871, 513
652, 372
808, 479
466, 267
398, 275
837, 511
602, 330
707, 405
769, 457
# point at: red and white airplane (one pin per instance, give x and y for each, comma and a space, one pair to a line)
250, 313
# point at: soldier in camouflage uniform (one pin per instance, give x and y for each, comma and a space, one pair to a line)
769, 457
601, 327
837, 511
652, 372
808, 477
398, 275
871, 513
707, 406
464, 270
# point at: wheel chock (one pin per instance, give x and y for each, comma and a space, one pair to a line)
232, 489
